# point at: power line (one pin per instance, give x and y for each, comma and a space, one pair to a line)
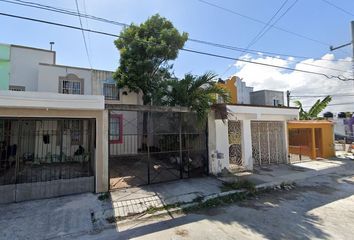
319, 96
83, 34
266, 27
335, 104
264, 23
337, 7
92, 17
269, 25
276, 21
339, 77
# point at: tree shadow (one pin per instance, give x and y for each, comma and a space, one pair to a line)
275, 215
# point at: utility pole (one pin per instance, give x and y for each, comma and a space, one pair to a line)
288, 97
347, 44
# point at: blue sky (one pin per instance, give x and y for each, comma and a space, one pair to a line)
314, 19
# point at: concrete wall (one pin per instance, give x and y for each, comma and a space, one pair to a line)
218, 144
243, 92
218, 132
267, 97
44, 100
48, 77
38, 190
24, 65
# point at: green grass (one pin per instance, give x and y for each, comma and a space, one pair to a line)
103, 196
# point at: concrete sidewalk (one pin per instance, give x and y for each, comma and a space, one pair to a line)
276, 174
133, 201
84, 213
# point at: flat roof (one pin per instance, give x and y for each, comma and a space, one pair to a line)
32, 48
255, 105
80, 68
50, 100
309, 122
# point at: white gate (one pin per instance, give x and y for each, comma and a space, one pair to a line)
268, 142
235, 149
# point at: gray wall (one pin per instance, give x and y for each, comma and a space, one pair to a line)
266, 97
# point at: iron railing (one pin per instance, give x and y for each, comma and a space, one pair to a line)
38, 150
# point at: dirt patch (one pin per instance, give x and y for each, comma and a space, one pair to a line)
182, 232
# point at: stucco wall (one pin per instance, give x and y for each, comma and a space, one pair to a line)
243, 92
218, 132
24, 66
48, 78
266, 97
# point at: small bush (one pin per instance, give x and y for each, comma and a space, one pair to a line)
243, 184
103, 196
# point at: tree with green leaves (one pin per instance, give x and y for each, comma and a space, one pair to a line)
316, 109
195, 92
145, 54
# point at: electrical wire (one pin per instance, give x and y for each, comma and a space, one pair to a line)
264, 23
339, 77
83, 34
218, 45
337, 7
318, 96
266, 27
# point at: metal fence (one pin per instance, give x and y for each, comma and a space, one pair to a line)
151, 146
268, 142
40, 150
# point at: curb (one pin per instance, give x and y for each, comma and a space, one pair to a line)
263, 186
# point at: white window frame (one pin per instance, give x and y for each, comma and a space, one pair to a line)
71, 84
111, 87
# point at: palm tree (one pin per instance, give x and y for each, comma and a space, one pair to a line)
318, 107
196, 92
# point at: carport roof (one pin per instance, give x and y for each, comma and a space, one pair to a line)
309, 123
49, 100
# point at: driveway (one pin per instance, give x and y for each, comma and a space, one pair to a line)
317, 208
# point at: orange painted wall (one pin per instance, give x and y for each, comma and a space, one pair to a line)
230, 86
323, 134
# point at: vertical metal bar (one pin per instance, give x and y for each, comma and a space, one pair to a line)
268, 141
109, 150
62, 123
259, 144
180, 146
148, 142
17, 163
276, 147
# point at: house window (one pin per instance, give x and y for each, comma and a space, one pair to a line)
116, 128
17, 88
71, 84
71, 87
110, 91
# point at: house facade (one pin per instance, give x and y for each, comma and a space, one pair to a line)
66, 130
248, 136
53, 125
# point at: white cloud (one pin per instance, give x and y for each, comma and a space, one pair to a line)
299, 83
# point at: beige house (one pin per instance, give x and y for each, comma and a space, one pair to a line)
54, 126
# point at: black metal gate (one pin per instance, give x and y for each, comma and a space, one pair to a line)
148, 146
40, 157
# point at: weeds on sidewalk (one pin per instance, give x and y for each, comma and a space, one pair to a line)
103, 196
242, 184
